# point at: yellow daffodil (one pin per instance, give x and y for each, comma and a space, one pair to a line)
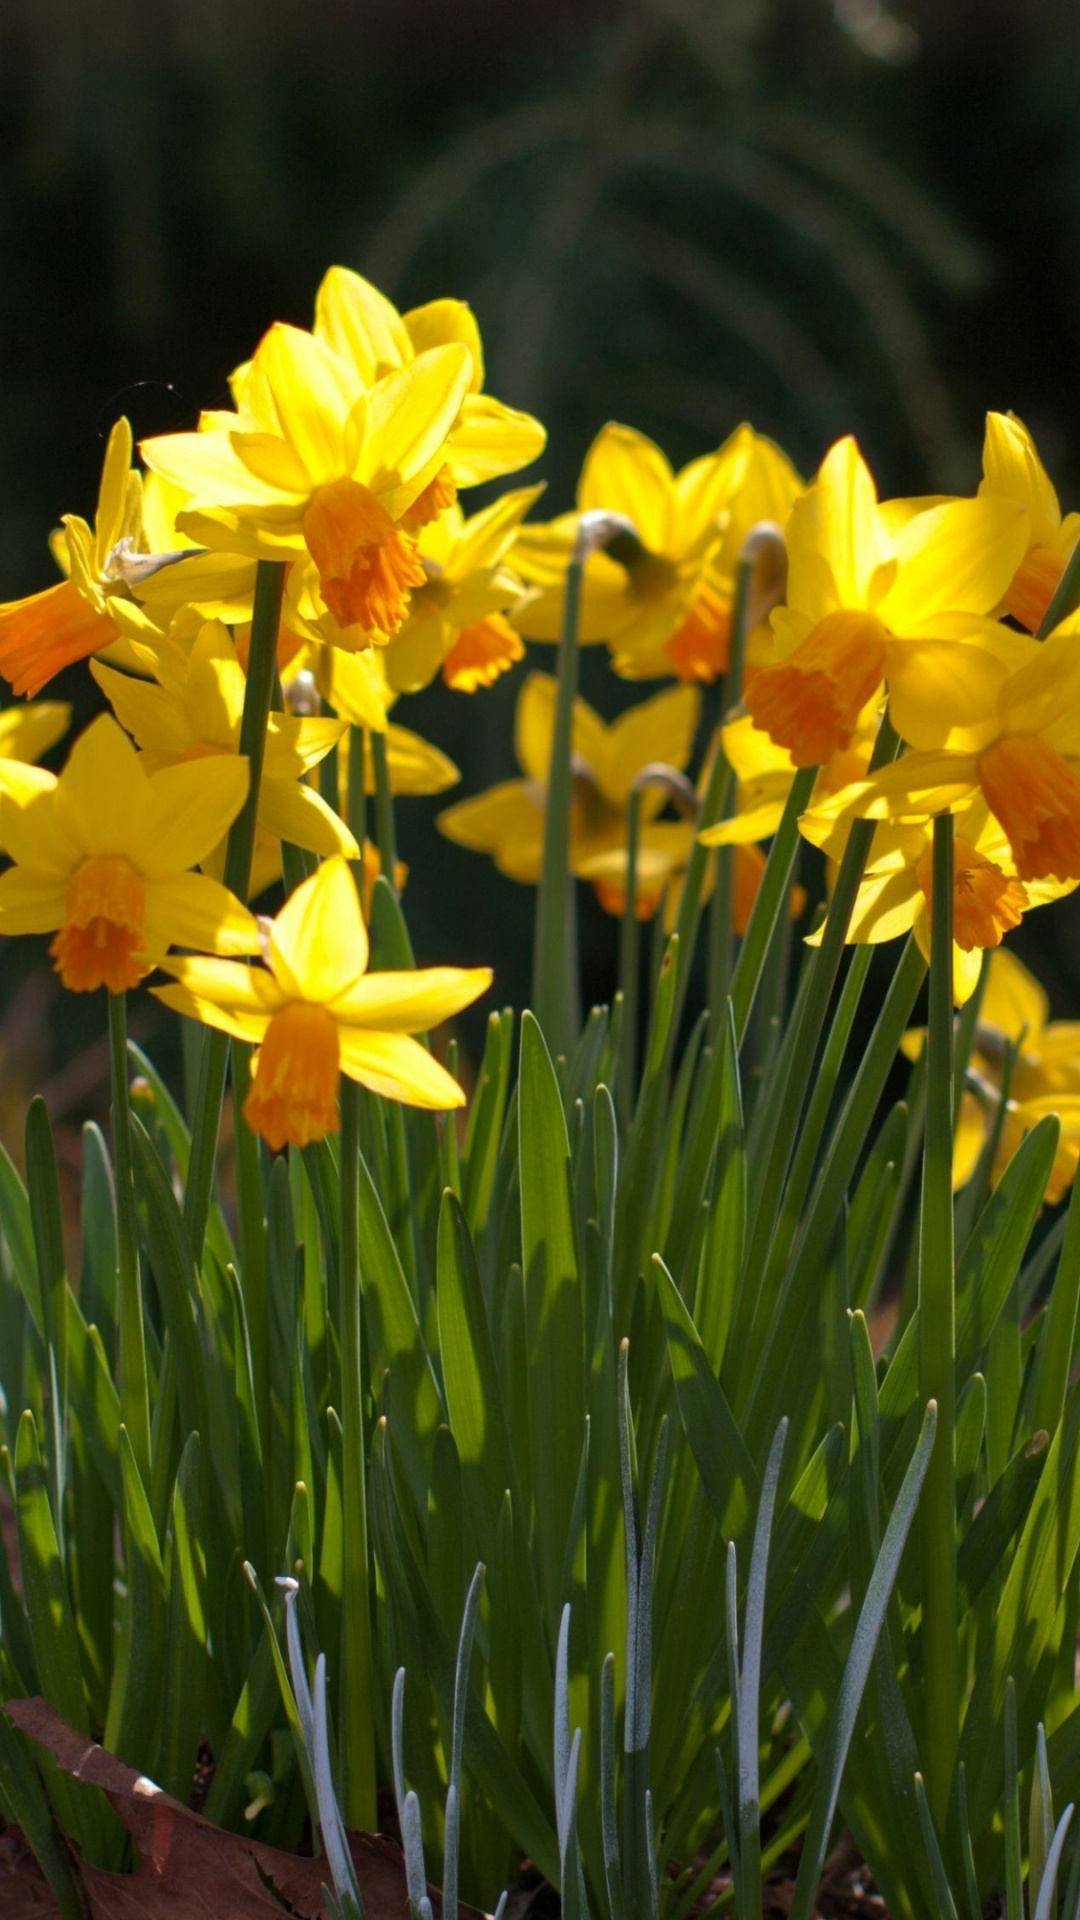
364, 328
314, 1012
1001, 718
90, 609
1014, 1014
896, 893
456, 621
863, 580
764, 773
508, 820
1012, 470
317, 462
102, 856
663, 852
194, 713
640, 595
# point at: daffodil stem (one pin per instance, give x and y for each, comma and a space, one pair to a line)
718, 794
385, 831
262, 668
770, 902
356, 1697
356, 802
630, 960
134, 1393
937, 1346
556, 991
251, 1217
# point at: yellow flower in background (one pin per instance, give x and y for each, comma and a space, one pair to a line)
93, 606
764, 773
194, 712
1012, 470
640, 595
1014, 1015
363, 327
896, 893
314, 1012
663, 852
862, 580
456, 623
317, 462
102, 858
508, 820
1000, 720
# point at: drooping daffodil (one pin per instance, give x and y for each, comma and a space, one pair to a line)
315, 1012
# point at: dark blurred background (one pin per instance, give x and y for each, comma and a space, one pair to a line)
820, 215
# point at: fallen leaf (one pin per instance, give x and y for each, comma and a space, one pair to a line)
191, 1870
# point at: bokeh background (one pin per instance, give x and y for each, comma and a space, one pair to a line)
820, 215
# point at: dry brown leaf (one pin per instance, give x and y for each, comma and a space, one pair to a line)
189, 1869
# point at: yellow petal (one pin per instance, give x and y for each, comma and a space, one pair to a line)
31, 902
624, 472
313, 390
361, 324
295, 812
152, 716
441, 321
1012, 468
28, 732
1013, 1000
242, 1026
485, 537
955, 558
318, 944
353, 683
971, 1134
885, 907
398, 1068
406, 419
190, 806
505, 822
661, 729
746, 829
102, 796
837, 553
415, 765
534, 729
936, 685
112, 494
411, 1002
491, 439
190, 910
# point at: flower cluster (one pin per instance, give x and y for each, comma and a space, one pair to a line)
909, 651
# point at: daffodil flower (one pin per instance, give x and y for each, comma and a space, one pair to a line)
999, 719
764, 773
1044, 1077
456, 623
194, 713
661, 599
1012, 470
663, 852
508, 820
896, 893
317, 462
102, 858
863, 578
363, 327
94, 606
315, 1012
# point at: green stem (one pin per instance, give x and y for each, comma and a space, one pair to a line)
134, 1393
262, 668
385, 831
355, 1727
771, 902
630, 960
937, 1346
251, 1215
556, 986
719, 792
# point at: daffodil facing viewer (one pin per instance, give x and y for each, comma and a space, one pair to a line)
315, 1012
102, 857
